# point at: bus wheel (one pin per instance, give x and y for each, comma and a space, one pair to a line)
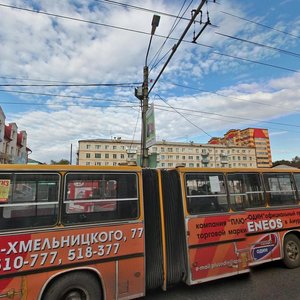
291, 251
74, 286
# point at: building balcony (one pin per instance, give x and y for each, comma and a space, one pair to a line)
205, 160
131, 151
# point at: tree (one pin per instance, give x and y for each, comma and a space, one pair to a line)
61, 162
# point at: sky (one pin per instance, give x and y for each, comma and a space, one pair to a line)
69, 68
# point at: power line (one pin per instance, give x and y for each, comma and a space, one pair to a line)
260, 45
66, 105
260, 24
38, 80
67, 96
195, 14
74, 85
226, 96
256, 62
170, 32
175, 109
223, 120
141, 8
92, 22
235, 117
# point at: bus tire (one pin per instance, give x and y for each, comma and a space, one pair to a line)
291, 248
74, 285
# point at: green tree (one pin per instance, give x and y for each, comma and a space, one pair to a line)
60, 162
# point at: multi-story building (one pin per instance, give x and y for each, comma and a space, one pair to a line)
112, 152
13, 144
256, 138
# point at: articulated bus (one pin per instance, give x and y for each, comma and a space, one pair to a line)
74, 232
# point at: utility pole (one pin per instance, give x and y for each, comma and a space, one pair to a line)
143, 95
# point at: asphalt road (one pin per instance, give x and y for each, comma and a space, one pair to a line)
270, 281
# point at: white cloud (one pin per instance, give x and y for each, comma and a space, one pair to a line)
69, 51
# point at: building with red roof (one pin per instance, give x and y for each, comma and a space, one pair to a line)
13, 144
257, 138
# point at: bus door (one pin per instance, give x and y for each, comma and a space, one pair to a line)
247, 195
213, 230
266, 227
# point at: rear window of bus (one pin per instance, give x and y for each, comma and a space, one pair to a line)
28, 200
99, 197
206, 193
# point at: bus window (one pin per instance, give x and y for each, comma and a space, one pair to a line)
245, 191
28, 200
206, 193
297, 181
279, 189
100, 197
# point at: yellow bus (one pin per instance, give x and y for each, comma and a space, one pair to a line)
74, 232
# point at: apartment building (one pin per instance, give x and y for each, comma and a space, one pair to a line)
256, 138
112, 152
13, 144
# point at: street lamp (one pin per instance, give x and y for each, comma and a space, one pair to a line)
144, 98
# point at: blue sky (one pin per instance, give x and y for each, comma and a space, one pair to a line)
244, 71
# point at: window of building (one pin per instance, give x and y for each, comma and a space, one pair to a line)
88, 163
170, 149
97, 147
114, 156
98, 163
191, 157
114, 147
106, 147
88, 147
206, 193
170, 165
162, 156
162, 149
183, 156
106, 155
97, 155
122, 156
191, 165
170, 156
88, 155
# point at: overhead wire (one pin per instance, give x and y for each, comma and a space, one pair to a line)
260, 24
175, 24
226, 96
91, 22
74, 85
175, 109
224, 120
233, 117
259, 44
126, 5
65, 96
